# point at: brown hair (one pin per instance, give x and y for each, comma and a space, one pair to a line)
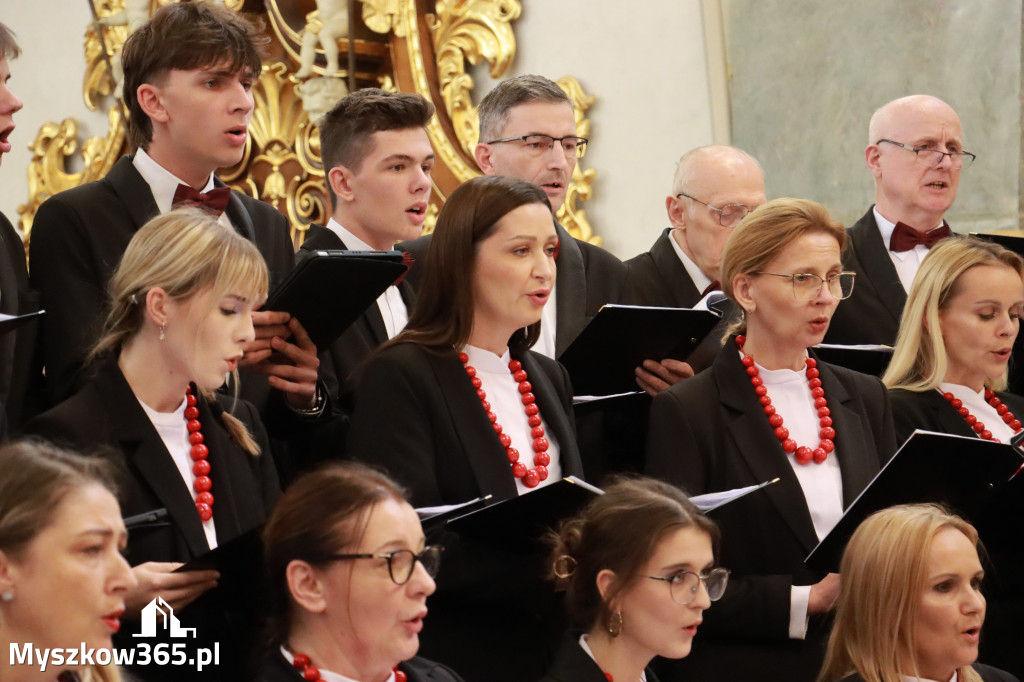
346, 130
765, 233
495, 105
184, 252
920, 360
619, 531
35, 476
883, 570
182, 36
8, 45
320, 514
443, 316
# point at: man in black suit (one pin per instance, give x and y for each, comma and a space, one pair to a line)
378, 158
713, 189
916, 154
188, 82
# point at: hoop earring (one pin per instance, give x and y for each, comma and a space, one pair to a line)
615, 624
564, 567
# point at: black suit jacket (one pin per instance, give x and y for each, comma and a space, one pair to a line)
106, 414
872, 313
357, 343
709, 434
78, 238
929, 411
16, 348
988, 674
572, 664
588, 278
277, 669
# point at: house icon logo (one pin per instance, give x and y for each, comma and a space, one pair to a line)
159, 614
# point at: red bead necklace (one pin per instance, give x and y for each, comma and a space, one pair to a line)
802, 454
541, 458
200, 463
992, 399
304, 665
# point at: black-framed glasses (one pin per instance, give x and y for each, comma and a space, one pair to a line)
729, 215
401, 562
933, 157
683, 586
538, 145
807, 286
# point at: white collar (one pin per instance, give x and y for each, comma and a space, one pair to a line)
162, 182
352, 242
886, 228
700, 280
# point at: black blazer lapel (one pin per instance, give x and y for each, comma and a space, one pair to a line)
553, 412
145, 452
874, 260
132, 190
489, 463
571, 291
852, 436
682, 289
758, 447
239, 217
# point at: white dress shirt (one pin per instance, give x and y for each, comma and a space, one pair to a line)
546, 343
392, 307
700, 280
906, 262
506, 402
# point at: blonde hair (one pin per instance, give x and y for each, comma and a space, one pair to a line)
765, 233
920, 360
184, 252
883, 571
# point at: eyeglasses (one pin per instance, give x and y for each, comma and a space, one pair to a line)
807, 286
683, 585
729, 215
933, 157
538, 145
401, 562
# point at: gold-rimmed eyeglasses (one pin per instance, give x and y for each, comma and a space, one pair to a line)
729, 215
683, 585
807, 286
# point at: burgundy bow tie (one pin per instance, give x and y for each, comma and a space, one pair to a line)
905, 238
407, 261
714, 286
215, 201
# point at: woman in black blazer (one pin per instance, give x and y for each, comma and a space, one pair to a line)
181, 311
948, 373
912, 572
633, 564
350, 573
457, 407
764, 410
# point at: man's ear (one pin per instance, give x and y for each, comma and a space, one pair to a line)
871, 154
483, 158
676, 212
151, 102
340, 178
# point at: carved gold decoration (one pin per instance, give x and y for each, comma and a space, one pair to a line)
382, 16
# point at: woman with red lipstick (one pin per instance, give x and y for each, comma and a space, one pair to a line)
457, 407
767, 409
637, 565
63, 581
948, 373
350, 573
181, 304
911, 605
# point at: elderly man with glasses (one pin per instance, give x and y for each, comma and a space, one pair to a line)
916, 154
713, 190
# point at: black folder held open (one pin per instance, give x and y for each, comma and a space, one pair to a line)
602, 359
328, 290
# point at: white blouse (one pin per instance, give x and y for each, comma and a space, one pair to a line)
503, 395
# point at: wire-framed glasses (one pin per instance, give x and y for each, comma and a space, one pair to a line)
729, 215
401, 562
683, 585
807, 286
933, 157
538, 145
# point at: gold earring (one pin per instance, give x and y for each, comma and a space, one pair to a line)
7, 596
564, 566
162, 335
615, 624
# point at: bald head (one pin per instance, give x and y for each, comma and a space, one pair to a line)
718, 176
908, 188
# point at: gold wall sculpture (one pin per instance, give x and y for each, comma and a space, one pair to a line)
420, 46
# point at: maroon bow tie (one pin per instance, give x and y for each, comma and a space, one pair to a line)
905, 238
215, 201
714, 286
407, 261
